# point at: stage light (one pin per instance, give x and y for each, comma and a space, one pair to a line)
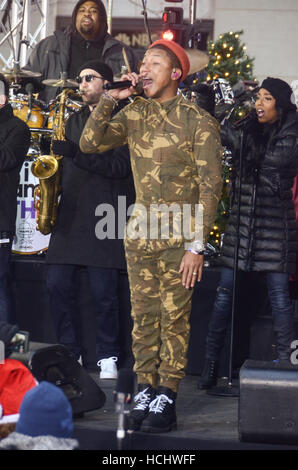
168, 35
172, 16
173, 27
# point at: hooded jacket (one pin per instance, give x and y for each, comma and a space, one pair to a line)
267, 225
52, 55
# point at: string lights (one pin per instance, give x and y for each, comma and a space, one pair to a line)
228, 60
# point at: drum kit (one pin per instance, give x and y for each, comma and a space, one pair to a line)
37, 114
40, 118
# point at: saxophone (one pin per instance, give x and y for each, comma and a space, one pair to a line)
47, 169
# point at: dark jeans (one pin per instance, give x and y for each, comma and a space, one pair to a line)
282, 313
104, 283
6, 302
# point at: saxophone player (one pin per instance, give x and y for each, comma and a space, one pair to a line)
87, 183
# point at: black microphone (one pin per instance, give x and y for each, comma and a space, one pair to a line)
123, 84
115, 85
242, 122
123, 395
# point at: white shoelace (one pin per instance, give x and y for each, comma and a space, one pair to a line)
143, 398
102, 362
158, 405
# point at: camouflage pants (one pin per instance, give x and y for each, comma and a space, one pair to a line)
160, 311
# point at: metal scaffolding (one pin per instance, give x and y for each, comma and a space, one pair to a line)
18, 32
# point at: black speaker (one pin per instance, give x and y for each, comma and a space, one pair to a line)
55, 364
268, 404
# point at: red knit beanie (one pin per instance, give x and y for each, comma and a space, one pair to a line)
179, 53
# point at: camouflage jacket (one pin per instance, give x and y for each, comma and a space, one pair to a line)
175, 152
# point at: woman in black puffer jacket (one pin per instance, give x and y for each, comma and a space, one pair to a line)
267, 223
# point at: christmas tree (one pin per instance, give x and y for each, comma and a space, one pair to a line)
228, 59
223, 209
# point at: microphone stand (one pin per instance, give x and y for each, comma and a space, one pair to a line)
30, 102
21, 41
230, 390
122, 411
144, 12
122, 396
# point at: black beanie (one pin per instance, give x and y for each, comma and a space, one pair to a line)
103, 69
281, 91
102, 17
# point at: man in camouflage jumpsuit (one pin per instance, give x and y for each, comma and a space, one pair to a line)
176, 161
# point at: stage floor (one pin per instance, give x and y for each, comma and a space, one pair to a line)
204, 423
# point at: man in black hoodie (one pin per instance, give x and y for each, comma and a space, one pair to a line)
86, 39
14, 144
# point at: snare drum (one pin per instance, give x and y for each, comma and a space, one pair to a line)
28, 239
34, 117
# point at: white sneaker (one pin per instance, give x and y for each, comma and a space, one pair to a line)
108, 368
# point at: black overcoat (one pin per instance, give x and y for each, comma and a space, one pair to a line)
89, 182
267, 229
14, 145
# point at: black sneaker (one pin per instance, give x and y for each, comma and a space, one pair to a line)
145, 395
162, 413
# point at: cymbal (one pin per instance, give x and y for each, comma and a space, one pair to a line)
198, 60
20, 73
61, 83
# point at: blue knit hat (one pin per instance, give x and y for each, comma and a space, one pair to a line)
45, 411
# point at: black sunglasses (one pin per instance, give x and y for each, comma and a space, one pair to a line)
88, 78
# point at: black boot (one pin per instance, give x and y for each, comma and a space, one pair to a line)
209, 375
145, 395
162, 413
284, 333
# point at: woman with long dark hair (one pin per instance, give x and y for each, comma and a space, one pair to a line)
264, 227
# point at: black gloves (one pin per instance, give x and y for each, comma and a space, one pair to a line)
65, 148
7, 332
